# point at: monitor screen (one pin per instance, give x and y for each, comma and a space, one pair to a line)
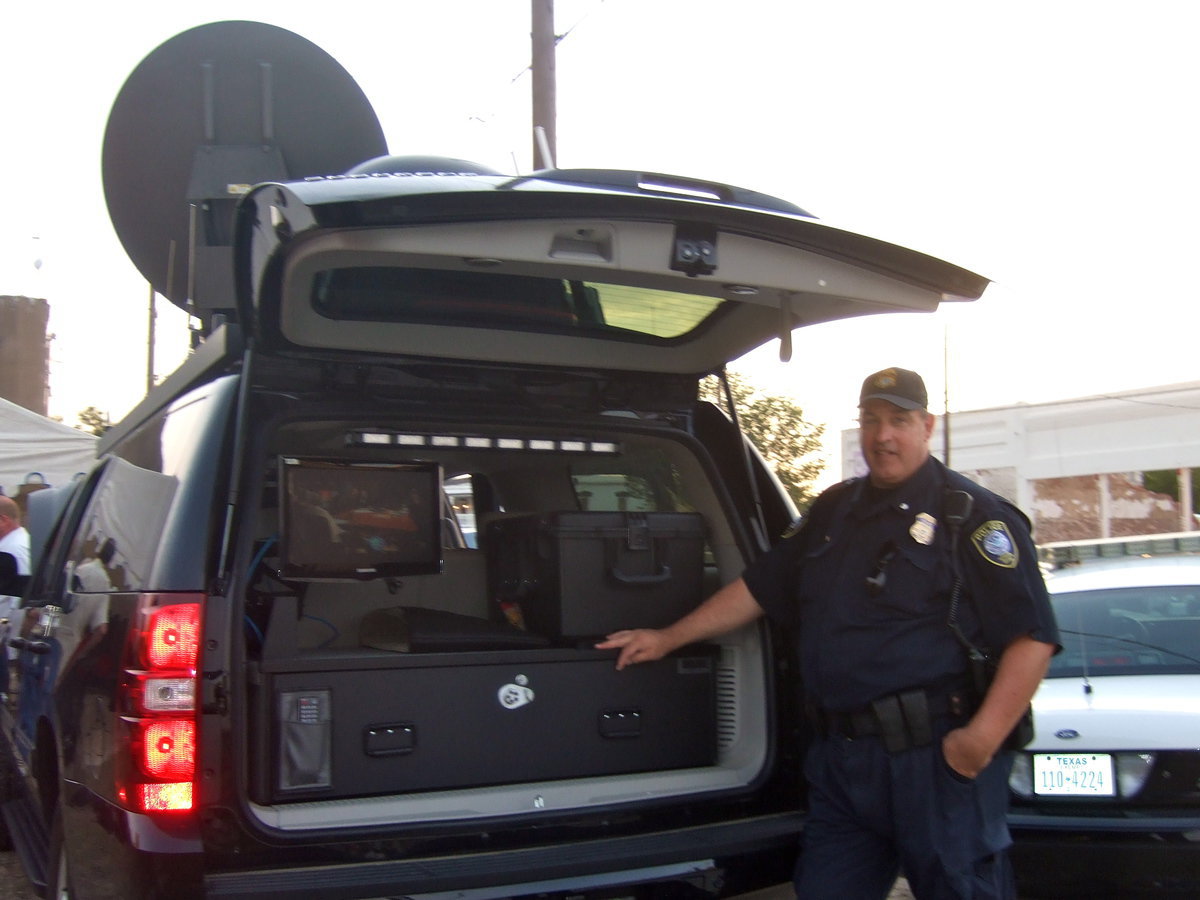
352, 519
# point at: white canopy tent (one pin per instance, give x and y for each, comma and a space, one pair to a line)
32, 446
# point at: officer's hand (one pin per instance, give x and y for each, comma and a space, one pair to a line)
637, 646
965, 752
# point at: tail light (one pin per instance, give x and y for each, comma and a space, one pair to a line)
156, 768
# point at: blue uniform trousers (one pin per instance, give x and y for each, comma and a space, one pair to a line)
873, 814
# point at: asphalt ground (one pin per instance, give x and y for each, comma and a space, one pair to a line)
13, 885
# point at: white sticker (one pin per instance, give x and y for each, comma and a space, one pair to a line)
513, 696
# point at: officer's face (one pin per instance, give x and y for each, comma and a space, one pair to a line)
895, 441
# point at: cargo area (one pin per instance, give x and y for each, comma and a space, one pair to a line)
421, 608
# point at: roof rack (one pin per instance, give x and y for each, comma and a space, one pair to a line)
1062, 553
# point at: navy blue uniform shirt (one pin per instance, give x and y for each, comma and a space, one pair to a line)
858, 640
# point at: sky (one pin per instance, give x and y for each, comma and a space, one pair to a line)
1050, 146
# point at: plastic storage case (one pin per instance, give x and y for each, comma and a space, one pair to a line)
583, 574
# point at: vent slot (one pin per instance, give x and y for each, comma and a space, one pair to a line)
727, 706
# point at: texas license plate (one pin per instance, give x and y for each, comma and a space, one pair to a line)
1073, 775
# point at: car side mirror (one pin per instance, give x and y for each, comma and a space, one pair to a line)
11, 584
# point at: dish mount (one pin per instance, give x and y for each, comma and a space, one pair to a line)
208, 114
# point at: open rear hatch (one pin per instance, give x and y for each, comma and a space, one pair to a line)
595, 270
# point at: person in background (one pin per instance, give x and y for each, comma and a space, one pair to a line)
14, 539
907, 770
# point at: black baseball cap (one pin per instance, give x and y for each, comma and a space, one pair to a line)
898, 386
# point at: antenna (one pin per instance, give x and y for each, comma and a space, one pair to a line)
207, 115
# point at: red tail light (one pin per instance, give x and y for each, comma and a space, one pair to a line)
172, 640
169, 748
157, 768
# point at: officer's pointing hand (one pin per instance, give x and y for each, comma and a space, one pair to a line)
637, 646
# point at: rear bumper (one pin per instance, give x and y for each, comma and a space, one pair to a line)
568, 867
1106, 857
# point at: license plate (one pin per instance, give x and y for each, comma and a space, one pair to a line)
1073, 775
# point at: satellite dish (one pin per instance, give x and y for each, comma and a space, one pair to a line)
208, 114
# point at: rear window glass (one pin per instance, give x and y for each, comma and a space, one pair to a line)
638, 482
493, 300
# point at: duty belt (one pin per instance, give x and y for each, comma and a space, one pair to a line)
902, 721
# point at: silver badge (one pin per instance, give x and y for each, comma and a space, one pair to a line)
924, 527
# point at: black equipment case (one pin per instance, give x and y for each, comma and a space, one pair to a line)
583, 574
443, 721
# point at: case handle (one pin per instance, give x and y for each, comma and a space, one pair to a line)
663, 574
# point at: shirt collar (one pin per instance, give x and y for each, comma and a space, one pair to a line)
903, 498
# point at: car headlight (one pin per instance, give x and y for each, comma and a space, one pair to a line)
1132, 771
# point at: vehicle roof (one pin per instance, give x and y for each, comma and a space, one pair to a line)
1154, 571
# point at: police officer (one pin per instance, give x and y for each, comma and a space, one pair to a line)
907, 770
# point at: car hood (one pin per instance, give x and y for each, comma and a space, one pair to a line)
1134, 712
766, 267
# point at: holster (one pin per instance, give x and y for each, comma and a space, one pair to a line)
982, 671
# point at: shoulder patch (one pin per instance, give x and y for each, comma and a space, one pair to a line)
995, 544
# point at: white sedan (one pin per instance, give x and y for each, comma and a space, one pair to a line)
1106, 799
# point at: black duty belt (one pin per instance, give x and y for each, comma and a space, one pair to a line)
902, 720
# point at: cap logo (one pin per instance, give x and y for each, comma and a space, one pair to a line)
886, 379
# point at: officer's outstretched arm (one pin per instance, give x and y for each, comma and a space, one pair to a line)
1021, 669
731, 607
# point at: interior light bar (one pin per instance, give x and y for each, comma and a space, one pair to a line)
481, 442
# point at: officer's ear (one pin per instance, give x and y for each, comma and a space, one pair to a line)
930, 419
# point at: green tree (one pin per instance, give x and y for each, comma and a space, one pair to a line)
1166, 481
93, 421
777, 427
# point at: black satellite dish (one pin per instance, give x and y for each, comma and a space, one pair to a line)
208, 114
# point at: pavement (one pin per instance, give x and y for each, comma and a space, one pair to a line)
784, 892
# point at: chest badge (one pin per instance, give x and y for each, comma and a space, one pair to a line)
923, 528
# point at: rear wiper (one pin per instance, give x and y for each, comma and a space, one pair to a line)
1133, 642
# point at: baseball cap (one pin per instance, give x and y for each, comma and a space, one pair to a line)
902, 387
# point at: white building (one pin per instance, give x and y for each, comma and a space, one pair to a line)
1075, 465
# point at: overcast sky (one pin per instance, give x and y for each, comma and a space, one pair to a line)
1051, 146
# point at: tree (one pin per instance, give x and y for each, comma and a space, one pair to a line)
1166, 481
93, 421
777, 427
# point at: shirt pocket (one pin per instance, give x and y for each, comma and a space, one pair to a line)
911, 583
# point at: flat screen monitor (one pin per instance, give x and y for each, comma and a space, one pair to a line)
354, 519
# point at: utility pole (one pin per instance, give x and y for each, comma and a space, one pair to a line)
545, 149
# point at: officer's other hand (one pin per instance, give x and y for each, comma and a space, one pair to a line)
638, 645
965, 752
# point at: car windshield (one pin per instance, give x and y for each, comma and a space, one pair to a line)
1128, 631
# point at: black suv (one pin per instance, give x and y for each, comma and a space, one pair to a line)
320, 621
